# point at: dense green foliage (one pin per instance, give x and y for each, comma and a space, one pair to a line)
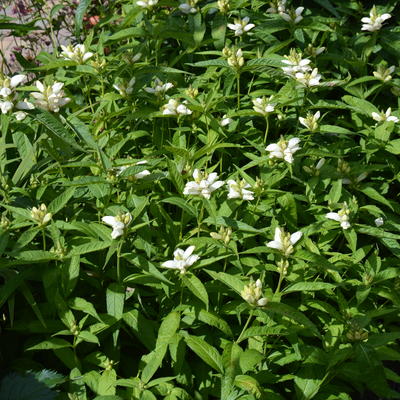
249, 312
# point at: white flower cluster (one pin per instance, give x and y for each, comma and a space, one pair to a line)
284, 242
284, 149
263, 106
253, 294
182, 259
40, 215
118, 224
173, 107
204, 184
147, 4
241, 26
50, 98
125, 89
384, 116
8, 96
299, 68
159, 88
189, 7
76, 53
139, 175
375, 21
341, 216
311, 121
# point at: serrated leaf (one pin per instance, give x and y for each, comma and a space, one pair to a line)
195, 285
205, 351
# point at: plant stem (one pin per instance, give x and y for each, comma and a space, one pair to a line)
119, 248
266, 129
245, 326
44, 239
238, 89
200, 219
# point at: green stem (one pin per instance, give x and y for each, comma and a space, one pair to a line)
245, 326
119, 248
200, 219
44, 239
266, 129
238, 90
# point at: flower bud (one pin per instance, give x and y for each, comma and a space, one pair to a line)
40, 215
252, 293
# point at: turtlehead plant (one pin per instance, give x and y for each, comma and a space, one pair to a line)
284, 149
384, 74
159, 88
375, 21
50, 98
76, 53
234, 57
125, 89
342, 216
40, 215
224, 235
308, 79
253, 294
182, 259
173, 107
292, 16
262, 105
203, 185
310, 121
284, 241
384, 116
139, 175
295, 63
147, 4
119, 224
277, 7
239, 190
241, 26
188, 7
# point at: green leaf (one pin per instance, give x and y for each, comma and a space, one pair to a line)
249, 384
50, 344
290, 312
181, 203
374, 195
56, 129
196, 287
167, 330
115, 296
308, 287
205, 351
232, 281
79, 14
60, 201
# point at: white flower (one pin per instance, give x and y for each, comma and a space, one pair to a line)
6, 106
310, 122
379, 222
341, 216
173, 107
295, 63
7, 85
225, 120
188, 8
253, 292
20, 115
76, 53
241, 26
139, 175
125, 89
284, 242
147, 3
293, 16
40, 215
384, 74
50, 98
236, 59
159, 87
284, 149
277, 7
182, 259
118, 223
203, 185
238, 190
262, 105
385, 116
375, 21
308, 79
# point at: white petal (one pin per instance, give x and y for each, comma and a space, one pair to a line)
117, 232
109, 220
334, 216
295, 237
275, 245
188, 252
16, 80
170, 264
